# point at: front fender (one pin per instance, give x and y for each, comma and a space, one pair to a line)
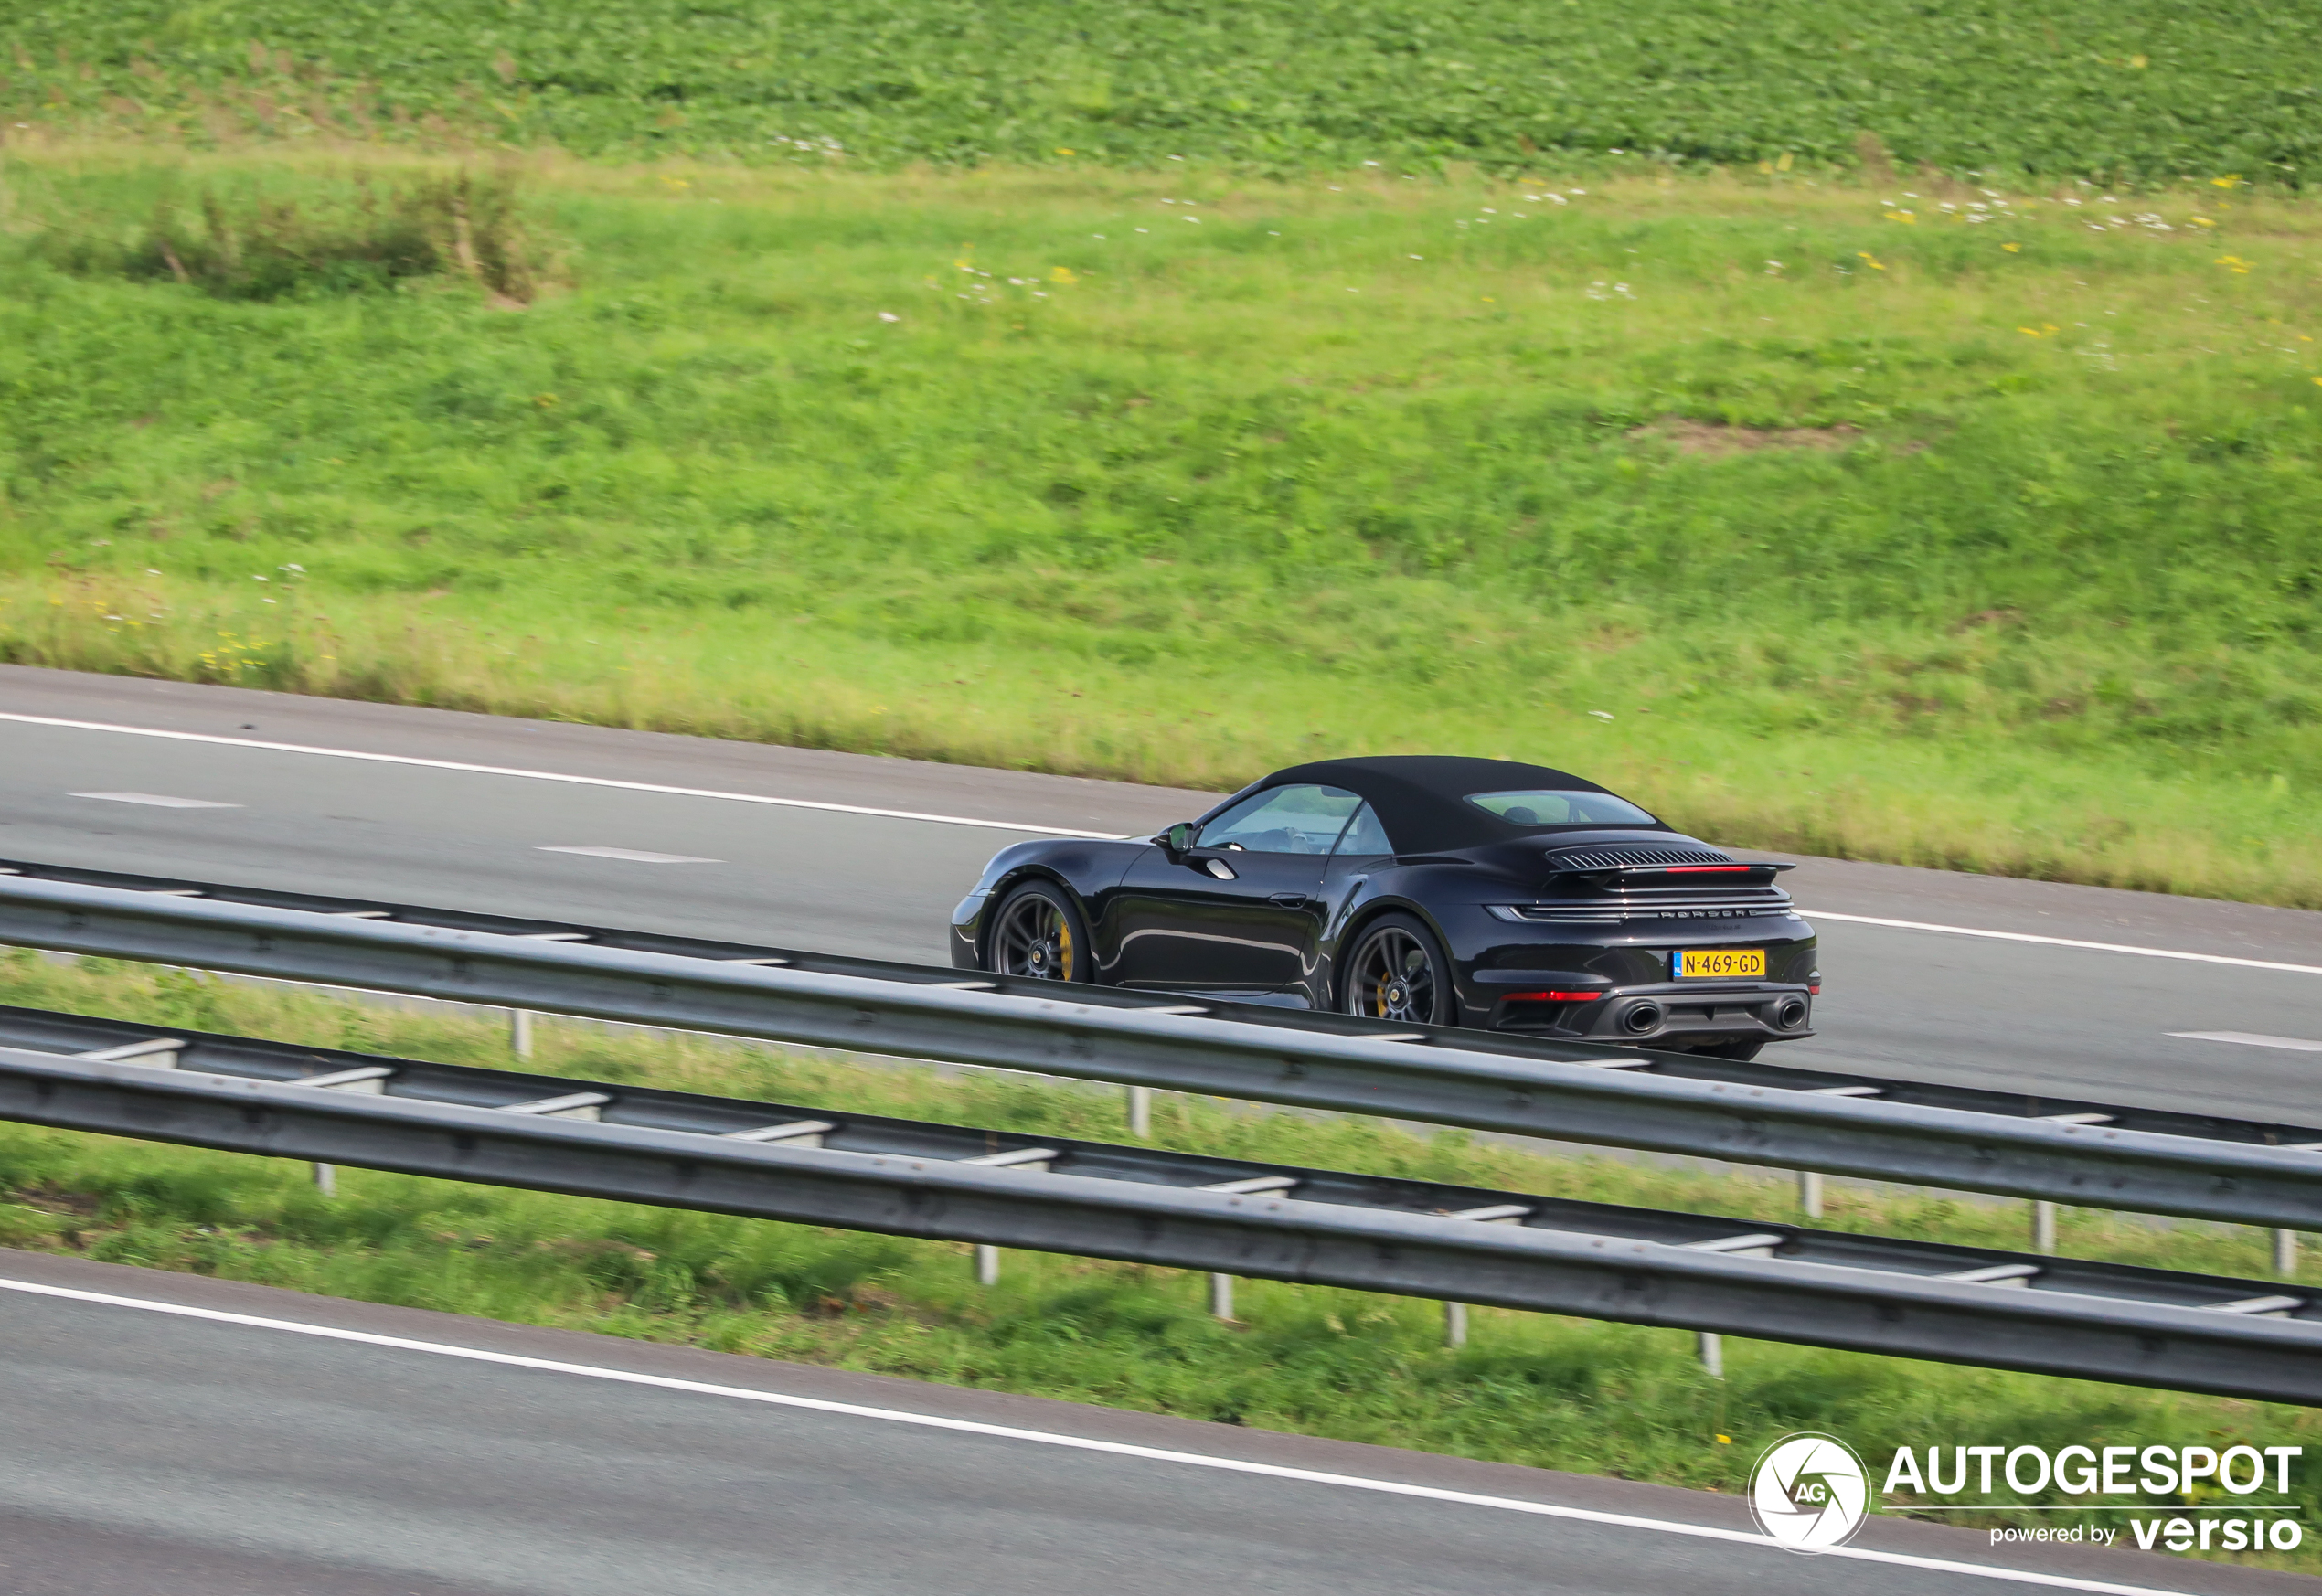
1085, 868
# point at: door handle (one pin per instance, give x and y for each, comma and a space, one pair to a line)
1289, 900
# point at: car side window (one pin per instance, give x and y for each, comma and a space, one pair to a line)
1364, 837
1304, 819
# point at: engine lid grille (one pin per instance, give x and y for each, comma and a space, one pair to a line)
1611, 857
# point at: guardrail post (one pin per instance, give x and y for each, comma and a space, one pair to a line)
1455, 1324
520, 1032
1713, 1351
326, 1180
1810, 1194
988, 1265
2285, 1253
2043, 1227
1140, 1111
1221, 1297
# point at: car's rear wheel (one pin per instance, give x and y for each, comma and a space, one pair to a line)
1399, 973
1037, 933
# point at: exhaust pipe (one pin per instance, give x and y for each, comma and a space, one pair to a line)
1642, 1017
1791, 1012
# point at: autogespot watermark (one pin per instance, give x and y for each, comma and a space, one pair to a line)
1811, 1493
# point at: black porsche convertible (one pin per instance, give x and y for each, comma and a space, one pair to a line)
1423, 889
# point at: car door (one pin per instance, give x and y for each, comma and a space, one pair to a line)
1241, 911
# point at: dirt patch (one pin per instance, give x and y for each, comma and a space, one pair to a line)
50, 1199
2001, 617
1713, 439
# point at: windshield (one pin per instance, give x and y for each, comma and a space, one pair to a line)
1547, 808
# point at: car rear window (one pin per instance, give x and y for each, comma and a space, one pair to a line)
1552, 808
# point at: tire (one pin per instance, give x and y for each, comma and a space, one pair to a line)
1038, 934
1399, 973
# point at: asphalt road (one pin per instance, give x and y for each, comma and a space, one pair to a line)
146, 1452
1930, 1004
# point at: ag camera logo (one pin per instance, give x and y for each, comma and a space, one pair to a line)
1809, 1493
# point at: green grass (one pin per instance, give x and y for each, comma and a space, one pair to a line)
1529, 1388
2123, 90
2001, 559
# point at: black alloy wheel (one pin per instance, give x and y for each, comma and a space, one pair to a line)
1399, 973
1037, 932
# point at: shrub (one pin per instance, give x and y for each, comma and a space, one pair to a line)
260, 247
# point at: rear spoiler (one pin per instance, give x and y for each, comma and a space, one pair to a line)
1736, 873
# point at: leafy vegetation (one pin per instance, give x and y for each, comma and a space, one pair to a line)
1527, 1388
268, 247
2118, 90
1942, 526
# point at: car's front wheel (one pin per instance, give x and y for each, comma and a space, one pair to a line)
1037, 931
1399, 973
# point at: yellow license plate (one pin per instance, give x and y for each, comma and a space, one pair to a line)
1721, 963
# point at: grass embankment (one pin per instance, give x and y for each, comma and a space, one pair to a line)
1981, 537
2119, 91
1527, 1388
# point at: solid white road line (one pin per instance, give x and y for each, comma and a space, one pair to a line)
157, 800
1966, 931
341, 753
1078, 1442
380, 759
2251, 1039
634, 855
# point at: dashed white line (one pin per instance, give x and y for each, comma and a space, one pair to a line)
1968, 930
634, 856
156, 800
2251, 1039
474, 769
1077, 1443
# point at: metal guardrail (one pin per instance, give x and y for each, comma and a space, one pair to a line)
2088, 1156
2098, 1321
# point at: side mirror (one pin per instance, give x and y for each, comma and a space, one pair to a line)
1178, 838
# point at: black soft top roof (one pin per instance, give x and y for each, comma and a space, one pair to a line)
1420, 797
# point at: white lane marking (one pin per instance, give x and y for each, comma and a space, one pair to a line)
2251, 1039
341, 753
1078, 1442
345, 753
1968, 931
158, 799
634, 855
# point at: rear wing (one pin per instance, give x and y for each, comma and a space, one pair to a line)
1736, 873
